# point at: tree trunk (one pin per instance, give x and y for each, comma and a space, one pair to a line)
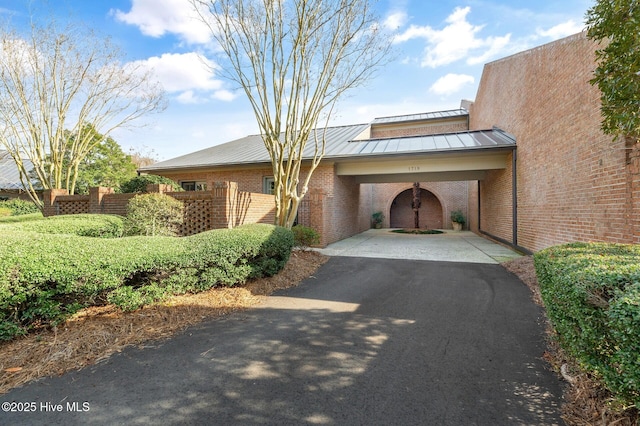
415, 204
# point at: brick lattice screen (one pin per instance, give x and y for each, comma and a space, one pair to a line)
222, 207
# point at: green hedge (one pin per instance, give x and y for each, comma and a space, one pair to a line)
19, 207
592, 296
86, 225
44, 278
22, 218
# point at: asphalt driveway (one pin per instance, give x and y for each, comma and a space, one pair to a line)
364, 342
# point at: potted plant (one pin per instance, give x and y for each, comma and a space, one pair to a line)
376, 220
457, 220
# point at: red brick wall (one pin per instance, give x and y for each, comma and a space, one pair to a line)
496, 203
450, 195
431, 128
430, 213
574, 183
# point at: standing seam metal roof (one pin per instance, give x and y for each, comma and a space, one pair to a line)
340, 144
9, 174
461, 112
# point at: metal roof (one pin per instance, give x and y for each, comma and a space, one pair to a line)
340, 144
461, 112
9, 174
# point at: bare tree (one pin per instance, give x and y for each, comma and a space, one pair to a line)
294, 60
55, 86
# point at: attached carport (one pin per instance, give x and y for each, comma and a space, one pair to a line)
459, 156
444, 157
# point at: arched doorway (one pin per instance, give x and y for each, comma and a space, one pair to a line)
401, 213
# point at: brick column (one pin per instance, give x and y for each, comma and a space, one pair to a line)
223, 209
95, 198
49, 199
316, 213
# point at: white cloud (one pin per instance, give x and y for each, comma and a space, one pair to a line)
158, 17
564, 29
189, 75
395, 20
450, 84
454, 42
496, 46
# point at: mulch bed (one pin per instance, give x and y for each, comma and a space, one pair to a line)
95, 333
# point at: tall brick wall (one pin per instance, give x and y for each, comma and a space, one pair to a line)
574, 183
496, 203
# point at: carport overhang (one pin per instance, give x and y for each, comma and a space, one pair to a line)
447, 164
426, 166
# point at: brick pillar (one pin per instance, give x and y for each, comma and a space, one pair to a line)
95, 198
225, 198
316, 214
49, 199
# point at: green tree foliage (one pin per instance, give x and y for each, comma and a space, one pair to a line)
154, 215
139, 183
616, 23
106, 165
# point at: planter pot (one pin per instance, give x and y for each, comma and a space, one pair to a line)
456, 226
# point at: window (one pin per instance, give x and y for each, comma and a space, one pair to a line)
268, 185
192, 185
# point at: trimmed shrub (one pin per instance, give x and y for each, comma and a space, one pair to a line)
139, 183
592, 295
19, 207
85, 225
44, 278
304, 237
22, 218
154, 215
4, 212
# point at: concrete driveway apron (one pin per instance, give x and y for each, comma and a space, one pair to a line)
464, 246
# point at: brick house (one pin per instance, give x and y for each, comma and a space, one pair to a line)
526, 161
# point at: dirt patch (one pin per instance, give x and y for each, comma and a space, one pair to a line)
586, 402
94, 334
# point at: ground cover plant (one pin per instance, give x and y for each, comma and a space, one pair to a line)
45, 278
304, 237
592, 296
417, 231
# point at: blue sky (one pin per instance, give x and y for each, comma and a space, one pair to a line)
439, 48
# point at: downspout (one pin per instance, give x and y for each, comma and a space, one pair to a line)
514, 197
